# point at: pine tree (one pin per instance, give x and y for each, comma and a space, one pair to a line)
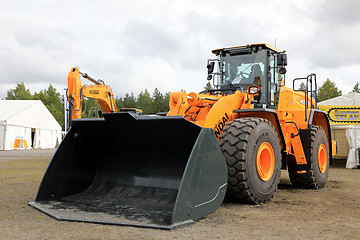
356, 88
302, 87
328, 90
19, 93
208, 86
157, 101
144, 102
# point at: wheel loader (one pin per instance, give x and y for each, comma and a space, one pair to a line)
168, 170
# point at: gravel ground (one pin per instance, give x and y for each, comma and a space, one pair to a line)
329, 213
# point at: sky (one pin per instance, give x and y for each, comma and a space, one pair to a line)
137, 45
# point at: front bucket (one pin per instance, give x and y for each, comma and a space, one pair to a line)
146, 171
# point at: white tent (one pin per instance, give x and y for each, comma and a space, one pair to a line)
27, 124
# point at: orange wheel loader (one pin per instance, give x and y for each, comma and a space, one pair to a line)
168, 171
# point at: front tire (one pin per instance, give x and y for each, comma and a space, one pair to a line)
252, 152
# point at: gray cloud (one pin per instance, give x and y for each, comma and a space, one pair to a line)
146, 39
165, 44
338, 13
332, 43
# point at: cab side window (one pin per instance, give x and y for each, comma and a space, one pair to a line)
274, 82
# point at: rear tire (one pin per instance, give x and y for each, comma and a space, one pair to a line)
317, 168
252, 152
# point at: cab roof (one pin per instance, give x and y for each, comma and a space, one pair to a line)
257, 45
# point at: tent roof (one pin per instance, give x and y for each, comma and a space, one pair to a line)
349, 99
27, 113
9, 108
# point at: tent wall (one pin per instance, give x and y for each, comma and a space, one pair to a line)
353, 136
14, 132
338, 134
43, 139
2, 137
46, 138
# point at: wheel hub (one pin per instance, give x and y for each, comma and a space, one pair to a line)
265, 161
322, 158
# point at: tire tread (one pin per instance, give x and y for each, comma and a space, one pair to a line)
234, 142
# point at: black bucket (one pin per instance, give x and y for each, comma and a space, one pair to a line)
146, 171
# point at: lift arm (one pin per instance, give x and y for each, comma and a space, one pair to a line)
76, 93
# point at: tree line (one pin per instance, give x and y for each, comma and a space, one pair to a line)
149, 104
54, 101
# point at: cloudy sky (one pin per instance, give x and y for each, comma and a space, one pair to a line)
138, 44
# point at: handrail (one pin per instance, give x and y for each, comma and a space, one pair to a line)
313, 92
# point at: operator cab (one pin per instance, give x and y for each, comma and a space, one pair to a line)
252, 65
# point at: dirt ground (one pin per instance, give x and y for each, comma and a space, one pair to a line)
329, 213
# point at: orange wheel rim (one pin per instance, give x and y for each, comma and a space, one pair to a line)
322, 158
265, 161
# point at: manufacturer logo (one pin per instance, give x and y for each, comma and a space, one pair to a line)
220, 125
95, 92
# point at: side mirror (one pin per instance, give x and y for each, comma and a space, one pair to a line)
253, 90
282, 59
282, 70
210, 67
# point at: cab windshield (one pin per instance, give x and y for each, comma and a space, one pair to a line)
243, 70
